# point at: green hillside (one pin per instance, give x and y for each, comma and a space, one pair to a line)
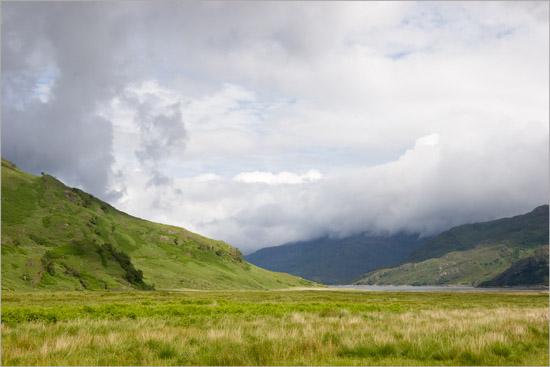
59, 238
523, 231
527, 271
470, 254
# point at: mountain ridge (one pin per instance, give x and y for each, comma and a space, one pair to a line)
470, 254
333, 260
526, 229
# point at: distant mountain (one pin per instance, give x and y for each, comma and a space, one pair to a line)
523, 231
469, 254
59, 238
528, 271
335, 261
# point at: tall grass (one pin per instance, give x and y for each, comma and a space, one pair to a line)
275, 328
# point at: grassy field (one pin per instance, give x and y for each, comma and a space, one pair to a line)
285, 327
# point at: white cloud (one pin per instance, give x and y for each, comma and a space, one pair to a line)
433, 185
428, 140
277, 179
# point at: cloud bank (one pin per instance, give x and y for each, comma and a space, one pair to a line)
266, 122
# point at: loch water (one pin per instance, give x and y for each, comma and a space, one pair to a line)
410, 288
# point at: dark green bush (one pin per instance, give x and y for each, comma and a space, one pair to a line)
47, 263
133, 275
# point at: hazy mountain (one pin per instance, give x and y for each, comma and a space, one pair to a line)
60, 238
334, 261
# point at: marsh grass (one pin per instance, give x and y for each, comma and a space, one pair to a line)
274, 328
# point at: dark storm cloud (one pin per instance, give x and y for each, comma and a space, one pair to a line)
91, 52
64, 136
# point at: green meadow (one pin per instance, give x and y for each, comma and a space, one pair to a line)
280, 327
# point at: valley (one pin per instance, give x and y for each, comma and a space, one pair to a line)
86, 284
469, 255
336, 260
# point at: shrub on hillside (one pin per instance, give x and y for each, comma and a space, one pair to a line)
133, 275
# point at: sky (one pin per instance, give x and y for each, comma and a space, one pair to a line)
262, 123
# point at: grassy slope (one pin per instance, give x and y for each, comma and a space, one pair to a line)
469, 254
455, 268
335, 261
53, 238
302, 327
526, 271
